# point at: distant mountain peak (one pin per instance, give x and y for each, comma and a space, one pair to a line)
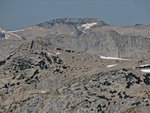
71, 26
72, 21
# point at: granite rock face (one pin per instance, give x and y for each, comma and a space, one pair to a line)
108, 43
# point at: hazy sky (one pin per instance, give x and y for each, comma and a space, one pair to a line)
16, 14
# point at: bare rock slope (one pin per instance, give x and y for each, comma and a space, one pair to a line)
41, 78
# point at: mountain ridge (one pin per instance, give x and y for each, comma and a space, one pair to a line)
92, 36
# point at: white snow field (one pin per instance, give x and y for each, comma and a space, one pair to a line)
112, 65
88, 25
113, 58
146, 70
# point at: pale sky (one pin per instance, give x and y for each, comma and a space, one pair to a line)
16, 14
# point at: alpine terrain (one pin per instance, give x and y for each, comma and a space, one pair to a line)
75, 65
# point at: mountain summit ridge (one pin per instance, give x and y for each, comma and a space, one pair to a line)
73, 21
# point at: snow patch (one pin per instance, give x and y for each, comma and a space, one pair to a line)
144, 65
7, 36
43, 91
49, 53
109, 66
16, 30
88, 25
113, 58
58, 53
146, 70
